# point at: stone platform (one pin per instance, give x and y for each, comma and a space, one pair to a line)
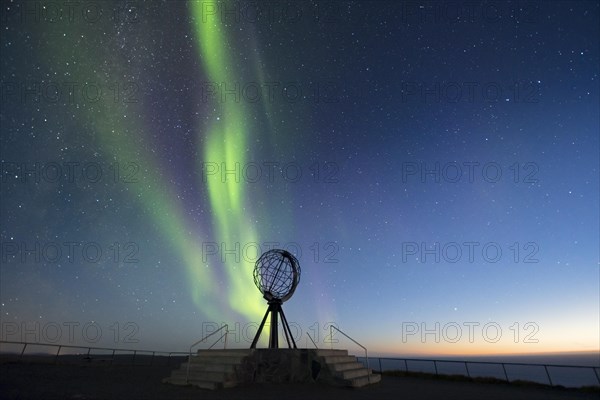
216, 369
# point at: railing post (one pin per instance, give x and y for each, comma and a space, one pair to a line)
380, 369
505, 374
467, 368
368, 370
313, 342
548, 374
133, 358
187, 370
405, 365
22, 351
596, 373
435, 366
57, 353
331, 335
112, 358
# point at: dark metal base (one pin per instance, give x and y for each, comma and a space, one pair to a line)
275, 309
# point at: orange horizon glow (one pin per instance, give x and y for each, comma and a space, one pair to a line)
483, 351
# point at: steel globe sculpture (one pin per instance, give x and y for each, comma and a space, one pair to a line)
276, 275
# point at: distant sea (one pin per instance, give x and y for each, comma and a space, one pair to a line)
565, 376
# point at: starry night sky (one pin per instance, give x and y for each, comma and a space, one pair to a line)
428, 163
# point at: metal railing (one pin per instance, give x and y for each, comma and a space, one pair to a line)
313, 342
332, 327
500, 363
90, 348
226, 327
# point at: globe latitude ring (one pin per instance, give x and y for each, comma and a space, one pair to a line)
277, 274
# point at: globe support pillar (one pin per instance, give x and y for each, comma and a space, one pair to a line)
274, 336
275, 310
276, 275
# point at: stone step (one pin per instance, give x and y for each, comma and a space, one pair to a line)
212, 367
363, 380
337, 367
217, 369
355, 373
339, 359
331, 352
